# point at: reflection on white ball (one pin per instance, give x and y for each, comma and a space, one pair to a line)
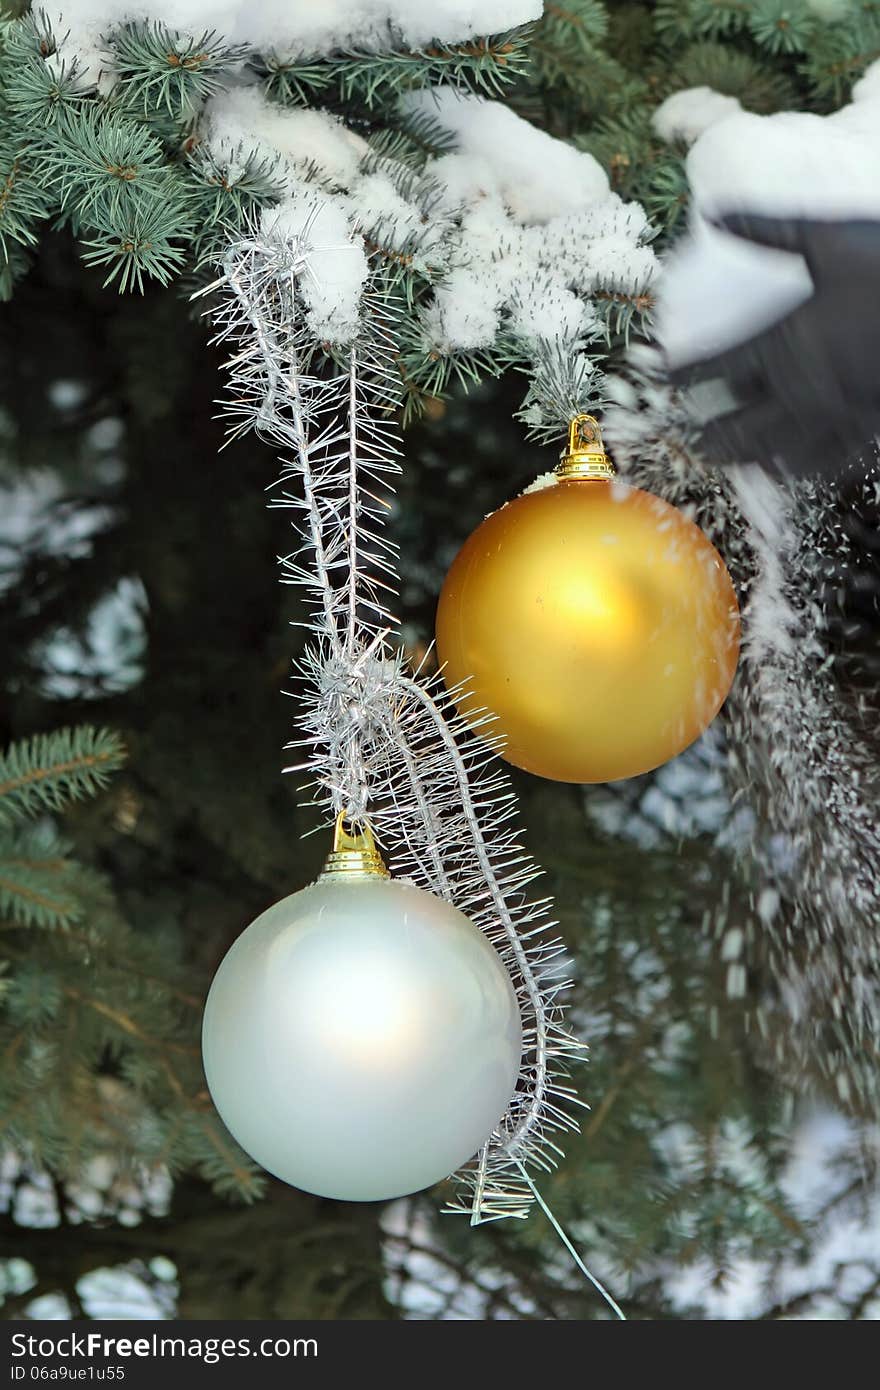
361, 1039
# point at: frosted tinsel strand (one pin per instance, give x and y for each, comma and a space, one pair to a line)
796, 755
379, 740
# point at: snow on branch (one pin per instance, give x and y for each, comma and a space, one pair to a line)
321, 27
508, 246
504, 242
287, 29
716, 289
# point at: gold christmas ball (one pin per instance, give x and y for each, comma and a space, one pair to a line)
596, 622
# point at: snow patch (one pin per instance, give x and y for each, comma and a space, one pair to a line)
718, 290
306, 27
535, 176
241, 119
686, 115
336, 263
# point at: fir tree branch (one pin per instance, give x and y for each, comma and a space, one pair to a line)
293, 83
32, 905
243, 1178
487, 65
45, 772
159, 69
126, 1024
23, 202
128, 966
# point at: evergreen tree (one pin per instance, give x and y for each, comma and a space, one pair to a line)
139, 609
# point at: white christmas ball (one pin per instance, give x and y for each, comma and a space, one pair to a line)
361, 1039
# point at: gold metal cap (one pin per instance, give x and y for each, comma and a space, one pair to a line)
584, 459
354, 854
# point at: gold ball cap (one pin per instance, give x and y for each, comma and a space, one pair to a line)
584, 458
354, 854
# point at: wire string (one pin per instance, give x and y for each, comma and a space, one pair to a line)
600, 1288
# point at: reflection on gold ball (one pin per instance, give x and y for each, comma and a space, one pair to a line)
597, 623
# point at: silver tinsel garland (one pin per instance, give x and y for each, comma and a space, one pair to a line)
379, 741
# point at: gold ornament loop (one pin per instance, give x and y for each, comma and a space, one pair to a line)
354, 853
584, 459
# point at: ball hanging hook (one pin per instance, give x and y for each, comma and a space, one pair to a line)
584, 458
354, 853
